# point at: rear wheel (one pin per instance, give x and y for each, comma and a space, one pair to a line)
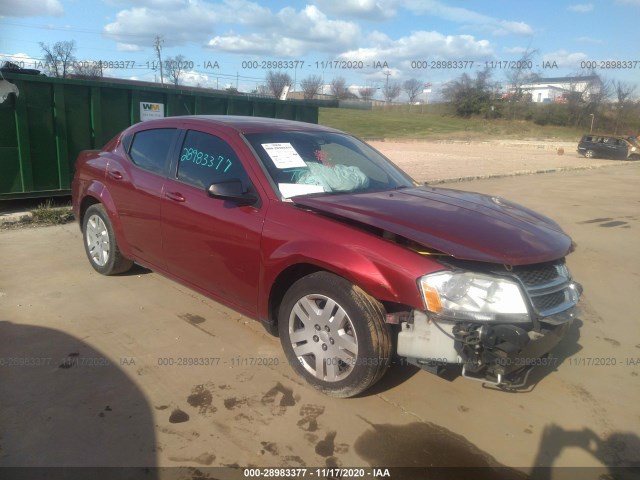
100, 243
589, 154
334, 334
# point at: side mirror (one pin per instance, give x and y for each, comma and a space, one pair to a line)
233, 191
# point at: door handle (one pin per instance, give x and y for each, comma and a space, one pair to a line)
175, 196
116, 175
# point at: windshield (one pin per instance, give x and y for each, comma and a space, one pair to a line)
301, 163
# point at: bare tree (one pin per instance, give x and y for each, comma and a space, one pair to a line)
310, 86
367, 93
622, 92
521, 75
518, 77
59, 58
413, 87
339, 88
175, 67
87, 69
276, 81
391, 91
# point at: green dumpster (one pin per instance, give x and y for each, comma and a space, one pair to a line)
43, 129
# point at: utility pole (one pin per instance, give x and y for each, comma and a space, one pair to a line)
386, 88
158, 46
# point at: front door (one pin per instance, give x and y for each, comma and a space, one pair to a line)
212, 243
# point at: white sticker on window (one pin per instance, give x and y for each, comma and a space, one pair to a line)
292, 189
284, 155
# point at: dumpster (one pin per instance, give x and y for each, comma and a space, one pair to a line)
51, 120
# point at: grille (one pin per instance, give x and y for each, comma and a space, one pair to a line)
549, 301
546, 285
537, 274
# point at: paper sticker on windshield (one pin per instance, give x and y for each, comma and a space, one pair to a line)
283, 155
293, 189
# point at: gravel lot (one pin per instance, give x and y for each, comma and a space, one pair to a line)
436, 162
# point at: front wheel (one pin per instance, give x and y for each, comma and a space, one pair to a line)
334, 334
589, 154
100, 242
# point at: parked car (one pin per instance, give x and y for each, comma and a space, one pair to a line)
613, 147
331, 246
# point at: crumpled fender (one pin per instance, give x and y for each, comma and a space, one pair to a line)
390, 278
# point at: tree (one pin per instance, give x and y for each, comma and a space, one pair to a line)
276, 81
339, 88
622, 92
519, 76
88, 69
59, 58
310, 86
391, 90
413, 87
367, 93
470, 96
175, 67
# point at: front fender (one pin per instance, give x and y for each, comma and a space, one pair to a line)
388, 274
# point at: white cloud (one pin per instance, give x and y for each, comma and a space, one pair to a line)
566, 59
23, 60
595, 41
291, 33
188, 21
365, 9
30, 8
467, 17
128, 47
421, 45
515, 50
287, 32
581, 7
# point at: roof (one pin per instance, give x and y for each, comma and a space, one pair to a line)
246, 124
584, 78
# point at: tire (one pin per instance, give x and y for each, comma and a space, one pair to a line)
590, 154
334, 335
100, 243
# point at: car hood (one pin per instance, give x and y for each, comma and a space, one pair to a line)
468, 226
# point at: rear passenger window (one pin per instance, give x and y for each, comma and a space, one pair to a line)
205, 159
150, 148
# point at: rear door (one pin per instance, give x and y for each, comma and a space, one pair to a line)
211, 243
136, 186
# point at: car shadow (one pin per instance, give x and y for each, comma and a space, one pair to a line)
66, 404
135, 270
399, 371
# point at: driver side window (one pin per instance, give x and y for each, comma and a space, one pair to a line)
205, 159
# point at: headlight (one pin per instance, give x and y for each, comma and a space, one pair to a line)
469, 296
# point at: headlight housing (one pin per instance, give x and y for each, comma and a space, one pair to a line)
469, 296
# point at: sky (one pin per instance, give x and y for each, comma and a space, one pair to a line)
234, 43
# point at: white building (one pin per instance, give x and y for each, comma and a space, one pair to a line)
561, 88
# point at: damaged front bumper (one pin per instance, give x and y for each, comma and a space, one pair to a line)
499, 354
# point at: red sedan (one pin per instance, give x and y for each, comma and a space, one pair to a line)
331, 246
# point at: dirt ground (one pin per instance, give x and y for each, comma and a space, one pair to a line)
435, 162
99, 371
